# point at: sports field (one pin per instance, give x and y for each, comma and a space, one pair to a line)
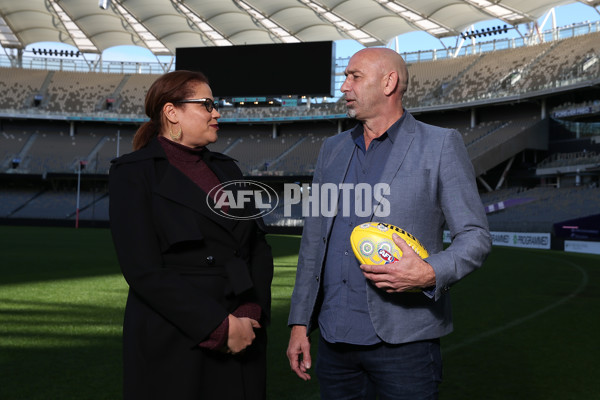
526, 325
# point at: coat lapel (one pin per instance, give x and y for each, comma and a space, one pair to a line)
400, 148
402, 143
177, 187
172, 184
337, 168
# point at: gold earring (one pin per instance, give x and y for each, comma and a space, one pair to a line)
177, 136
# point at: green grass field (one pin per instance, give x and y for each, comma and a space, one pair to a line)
526, 324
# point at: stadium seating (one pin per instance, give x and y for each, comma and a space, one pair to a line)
81, 92
19, 86
430, 82
564, 63
551, 205
54, 119
133, 93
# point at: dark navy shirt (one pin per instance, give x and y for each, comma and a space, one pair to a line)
344, 316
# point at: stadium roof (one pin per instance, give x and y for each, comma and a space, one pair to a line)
163, 25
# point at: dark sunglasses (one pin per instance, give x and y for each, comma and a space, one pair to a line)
208, 103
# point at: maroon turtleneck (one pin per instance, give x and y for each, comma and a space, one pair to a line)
189, 161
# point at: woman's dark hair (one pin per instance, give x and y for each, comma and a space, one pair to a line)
170, 87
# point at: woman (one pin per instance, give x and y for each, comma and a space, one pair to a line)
199, 283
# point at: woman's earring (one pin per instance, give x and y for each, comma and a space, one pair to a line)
177, 136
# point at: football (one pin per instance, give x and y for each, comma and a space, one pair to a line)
372, 243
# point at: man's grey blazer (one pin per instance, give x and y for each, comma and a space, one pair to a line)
431, 181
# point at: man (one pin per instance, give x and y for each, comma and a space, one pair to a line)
380, 325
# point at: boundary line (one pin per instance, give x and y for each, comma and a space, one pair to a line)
582, 284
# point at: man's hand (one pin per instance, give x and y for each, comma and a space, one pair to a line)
298, 352
410, 272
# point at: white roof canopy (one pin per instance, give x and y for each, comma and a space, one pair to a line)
164, 25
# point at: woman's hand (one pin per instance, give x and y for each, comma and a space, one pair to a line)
241, 333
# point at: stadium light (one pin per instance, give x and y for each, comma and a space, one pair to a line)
496, 30
104, 4
55, 52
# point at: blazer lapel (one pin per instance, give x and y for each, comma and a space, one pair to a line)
338, 166
402, 143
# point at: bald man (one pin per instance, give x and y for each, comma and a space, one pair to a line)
379, 326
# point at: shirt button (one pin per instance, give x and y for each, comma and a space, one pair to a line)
345, 253
210, 260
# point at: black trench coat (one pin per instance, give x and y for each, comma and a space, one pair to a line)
187, 269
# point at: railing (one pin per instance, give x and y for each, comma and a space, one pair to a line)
330, 110
567, 159
82, 65
493, 45
581, 129
484, 47
97, 64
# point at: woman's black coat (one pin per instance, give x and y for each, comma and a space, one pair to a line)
187, 269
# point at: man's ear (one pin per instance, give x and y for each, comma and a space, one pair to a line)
170, 112
391, 83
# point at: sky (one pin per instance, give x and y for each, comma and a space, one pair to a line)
418, 40
408, 42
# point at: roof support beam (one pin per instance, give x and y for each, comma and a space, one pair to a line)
273, 27
150, 41
500, 11
82, 42
8, 38
197, 22
417, 19
342, 24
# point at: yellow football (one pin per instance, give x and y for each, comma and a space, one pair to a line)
372, 243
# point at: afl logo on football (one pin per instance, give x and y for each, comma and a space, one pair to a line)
242, 200
387, 256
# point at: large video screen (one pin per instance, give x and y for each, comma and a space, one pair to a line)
272, 70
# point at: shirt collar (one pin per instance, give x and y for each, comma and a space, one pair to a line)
391, 133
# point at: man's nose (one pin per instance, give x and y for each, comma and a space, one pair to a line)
344, 87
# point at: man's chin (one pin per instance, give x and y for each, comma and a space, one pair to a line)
351, 113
